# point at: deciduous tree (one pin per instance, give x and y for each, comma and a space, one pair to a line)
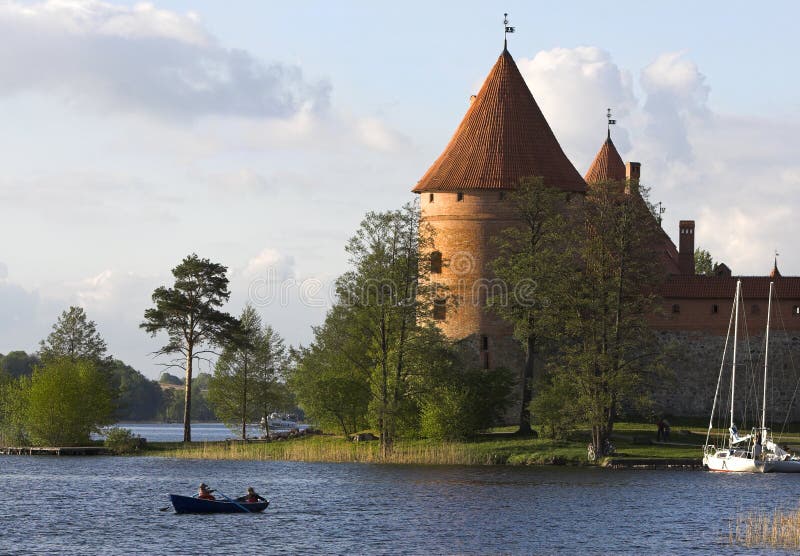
65, 401
532, 258
608, 343
74, 336
703, 263
242, 388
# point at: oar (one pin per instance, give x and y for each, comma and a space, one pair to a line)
233, 501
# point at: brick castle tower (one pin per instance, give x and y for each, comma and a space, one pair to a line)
503, 138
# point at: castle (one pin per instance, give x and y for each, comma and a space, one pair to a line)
503, 138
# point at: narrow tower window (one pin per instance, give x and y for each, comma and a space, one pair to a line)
796, 311
485, 343
676, 308
715, 309
436, 262
440, 309
430, 198
502, 195
459, 196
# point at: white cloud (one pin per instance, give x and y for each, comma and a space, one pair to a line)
736, 176
574, 87
269, 263
141, 58
374, 134
3, 271
244, 181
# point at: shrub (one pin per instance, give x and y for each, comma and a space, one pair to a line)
123, 441
554, 408
472, 401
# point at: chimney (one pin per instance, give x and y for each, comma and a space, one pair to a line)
686, 244
632, 171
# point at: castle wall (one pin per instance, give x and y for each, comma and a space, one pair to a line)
693, 362
712, 314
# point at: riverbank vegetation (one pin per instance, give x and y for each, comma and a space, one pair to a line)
499, 447
776, 530
379, 360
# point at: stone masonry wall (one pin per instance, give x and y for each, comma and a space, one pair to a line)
694, 363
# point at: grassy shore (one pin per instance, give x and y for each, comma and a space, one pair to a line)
498, 447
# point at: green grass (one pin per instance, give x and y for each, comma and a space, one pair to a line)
498, 446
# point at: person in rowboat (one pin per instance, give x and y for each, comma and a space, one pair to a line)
251, 497
204, 493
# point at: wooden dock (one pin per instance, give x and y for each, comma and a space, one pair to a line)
54, 451
653, 463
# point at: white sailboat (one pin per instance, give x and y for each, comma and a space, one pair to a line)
756, 452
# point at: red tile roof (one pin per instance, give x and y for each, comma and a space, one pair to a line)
724, 287
607, 165
503, 137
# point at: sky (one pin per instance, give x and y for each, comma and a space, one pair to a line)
258, 134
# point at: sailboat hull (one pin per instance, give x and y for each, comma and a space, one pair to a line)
737, 464
734, 464
782, 466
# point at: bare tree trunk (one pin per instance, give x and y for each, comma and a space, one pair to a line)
244, 403
527, 380
187, 398
385, 441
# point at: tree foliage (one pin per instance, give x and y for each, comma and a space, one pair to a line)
12, 410
703, 263
18, 363
243, 387
173, 406
136, 398
608, 345
75, 337
372, 360
189, 314
532, 260
269, 389
331, 377
167, 378
458, 404
64, 401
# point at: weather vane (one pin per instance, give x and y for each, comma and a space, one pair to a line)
610, 122
508, 29
661, 209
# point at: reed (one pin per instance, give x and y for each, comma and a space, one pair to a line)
329, 450
779, 529
490, 451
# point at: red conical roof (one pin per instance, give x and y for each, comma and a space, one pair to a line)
503, 138
607, 165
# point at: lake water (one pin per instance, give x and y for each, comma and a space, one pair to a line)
108, 505
173, 432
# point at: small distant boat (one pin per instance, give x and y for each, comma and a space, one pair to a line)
192, 505
282, 421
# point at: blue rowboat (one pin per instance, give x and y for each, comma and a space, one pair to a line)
192, 505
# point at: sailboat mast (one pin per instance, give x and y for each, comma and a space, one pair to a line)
766, 357
735, 342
